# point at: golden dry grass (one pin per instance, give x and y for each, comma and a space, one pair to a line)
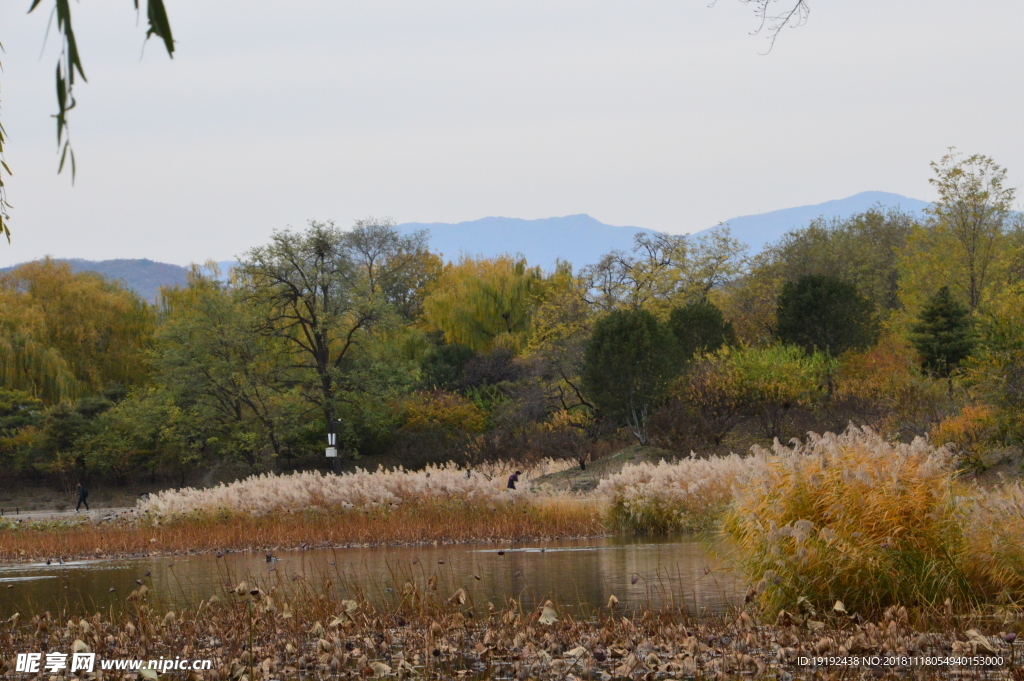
860, 520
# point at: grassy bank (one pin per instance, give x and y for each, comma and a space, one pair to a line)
289, 629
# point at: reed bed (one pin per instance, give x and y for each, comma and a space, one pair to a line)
265, 494
689, 495
282, 628
441, 520
873, 524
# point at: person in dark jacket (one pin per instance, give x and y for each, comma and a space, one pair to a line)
83, 494
513, 479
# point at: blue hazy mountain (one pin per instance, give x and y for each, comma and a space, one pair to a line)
582, 240
756, 231
579, 239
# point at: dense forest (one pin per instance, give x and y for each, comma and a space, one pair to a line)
913, 327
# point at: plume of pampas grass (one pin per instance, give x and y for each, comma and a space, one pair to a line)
269, 493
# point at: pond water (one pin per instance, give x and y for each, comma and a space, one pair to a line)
575, 573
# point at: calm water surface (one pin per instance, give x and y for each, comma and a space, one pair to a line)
574, 573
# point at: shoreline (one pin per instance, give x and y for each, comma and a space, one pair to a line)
313, 547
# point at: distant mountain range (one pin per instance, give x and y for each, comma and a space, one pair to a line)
757, 231
582, 240
579, 239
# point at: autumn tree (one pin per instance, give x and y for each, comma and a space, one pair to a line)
665, 270
484, 304
64, 335
974, 205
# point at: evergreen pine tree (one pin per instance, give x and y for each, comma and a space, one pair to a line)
942, 335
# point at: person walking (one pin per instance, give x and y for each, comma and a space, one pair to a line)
513, 479
83, 495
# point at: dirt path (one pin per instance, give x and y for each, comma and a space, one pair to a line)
93, 514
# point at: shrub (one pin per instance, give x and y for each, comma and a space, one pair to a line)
714, 389
969, 433
775, 379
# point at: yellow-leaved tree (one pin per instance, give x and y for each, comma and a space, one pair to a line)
487, 303
64, 335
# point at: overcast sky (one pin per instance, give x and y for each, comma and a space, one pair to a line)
654, 113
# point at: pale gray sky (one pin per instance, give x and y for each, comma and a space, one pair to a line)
656, 113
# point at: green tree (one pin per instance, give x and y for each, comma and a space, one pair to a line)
211, 358
627, 367
442, 367
942, 335
323, 299
699, 328
825, 314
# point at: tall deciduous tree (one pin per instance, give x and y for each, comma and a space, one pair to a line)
663, 270
825, 314
974, 205
211, 356
63, 334
318, 305
628, 365
484, 304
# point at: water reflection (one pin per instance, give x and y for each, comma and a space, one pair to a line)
574, 573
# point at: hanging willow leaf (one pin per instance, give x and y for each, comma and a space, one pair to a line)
68, 64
